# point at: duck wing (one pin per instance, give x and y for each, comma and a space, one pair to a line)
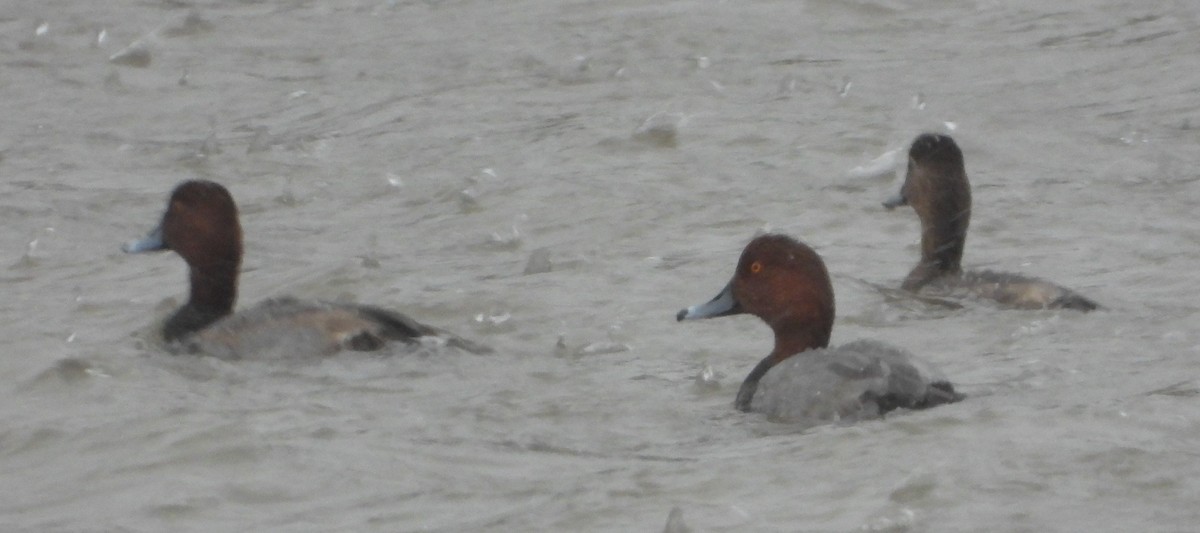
397, 326
1020, 291
286, 328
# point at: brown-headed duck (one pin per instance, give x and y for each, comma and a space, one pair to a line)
201, 225
936, 187
784, 282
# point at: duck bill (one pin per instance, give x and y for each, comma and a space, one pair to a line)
152, 242
723, 305
895, 201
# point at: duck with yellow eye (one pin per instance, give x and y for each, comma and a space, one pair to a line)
784, 282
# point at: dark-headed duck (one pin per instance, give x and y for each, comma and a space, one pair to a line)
784, 282
201, 225
936, 187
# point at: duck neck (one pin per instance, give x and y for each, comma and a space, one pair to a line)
213, 294
797, 341
800, 340
943, 238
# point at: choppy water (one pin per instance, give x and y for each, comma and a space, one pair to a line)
416, 155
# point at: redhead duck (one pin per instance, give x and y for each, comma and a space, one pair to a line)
936, 187
784, 282
201, 225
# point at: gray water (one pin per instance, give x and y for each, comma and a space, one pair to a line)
416, 155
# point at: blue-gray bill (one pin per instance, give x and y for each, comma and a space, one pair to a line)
895, 201
724, 304
152, 242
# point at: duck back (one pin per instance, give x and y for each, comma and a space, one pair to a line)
860, 380
1009, 289
287, 328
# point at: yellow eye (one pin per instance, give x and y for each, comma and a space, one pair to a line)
755, 267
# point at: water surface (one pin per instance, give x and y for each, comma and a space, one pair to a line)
416, 155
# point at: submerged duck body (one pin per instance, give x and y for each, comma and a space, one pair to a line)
784, 282
201, 225
937, 188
